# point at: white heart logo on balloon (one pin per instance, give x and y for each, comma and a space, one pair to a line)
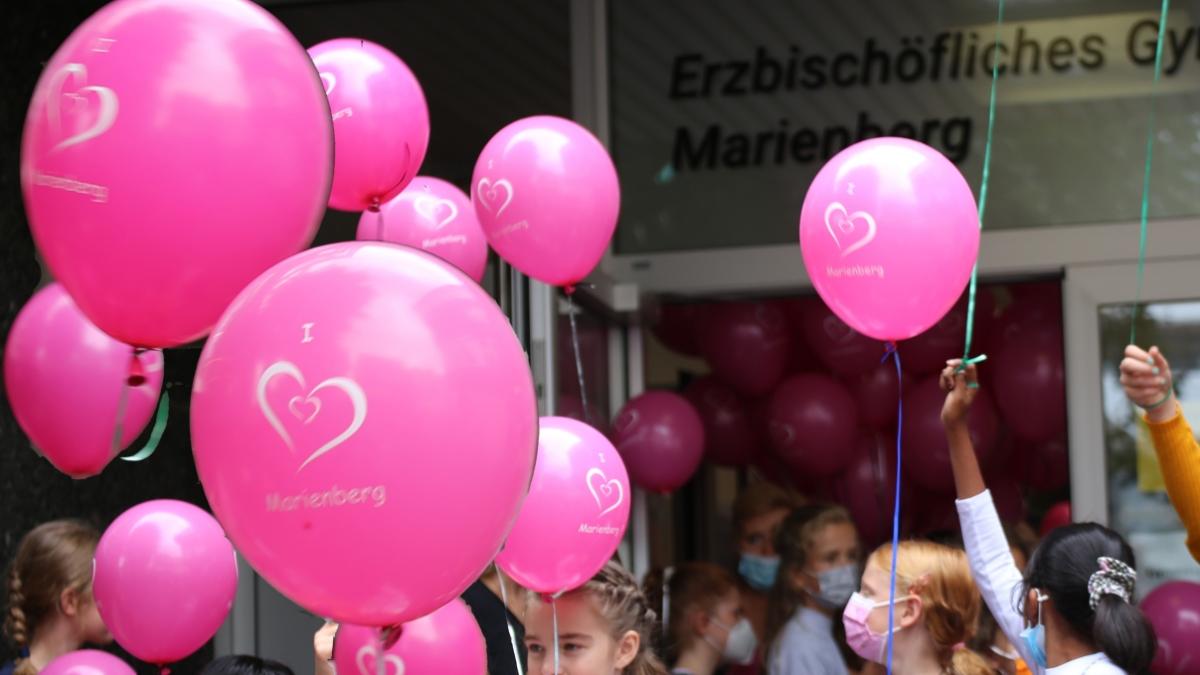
850, 231
395, 663
489, 194
306, 407
91, 97
430, 208
603, 489
329, 81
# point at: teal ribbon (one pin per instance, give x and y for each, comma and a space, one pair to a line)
1141, 266
983, 193
156, 432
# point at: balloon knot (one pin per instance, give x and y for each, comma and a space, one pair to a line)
137, 373
569, 289
389, 635
889, 348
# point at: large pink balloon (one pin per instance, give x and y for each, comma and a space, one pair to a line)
87, 662
65, 379
165, 577
576, 512
874, 220
437, 218
842, 349
547, 196
446, 642
877, 394
730, 438
661, 438
380, 121
747, 344
813, 425
356, 401
926, 453
1031, 383
1174, 610
172, 152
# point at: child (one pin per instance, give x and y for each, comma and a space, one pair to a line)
604, 628
704, 627
50, 606
1073, 610
818, 571
245, 665
936, 610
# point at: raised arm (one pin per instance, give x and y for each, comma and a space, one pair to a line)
1146, 377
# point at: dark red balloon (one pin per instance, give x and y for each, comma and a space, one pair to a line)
928, 352
1174, 610
747, 344
730, 438
877, 394
675, 324
1057, 516
661, 438
812, 424
1010, 503
867, 488
926, 452
1045, 466
1030, 384
842, 349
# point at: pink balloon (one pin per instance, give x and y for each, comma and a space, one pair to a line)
446, 642
172, 152
1056, 517
813, 425
874, 218
347, 391
1174, 610
729, 436
437, 218
380, 122
1031, 383
661, 439
747, 344
65, 379
165, 577
926, 453
842, 349
87, 662
927, 353
546, 193
576, 512
877, 395
867, 488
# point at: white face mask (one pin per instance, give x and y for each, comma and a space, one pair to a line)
740, 643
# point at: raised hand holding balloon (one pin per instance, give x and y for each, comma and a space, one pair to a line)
434, 216
347, 389
380, 122
57, 365
154, 197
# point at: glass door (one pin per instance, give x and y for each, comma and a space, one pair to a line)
1116, 479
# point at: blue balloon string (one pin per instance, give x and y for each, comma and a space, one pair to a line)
895, 354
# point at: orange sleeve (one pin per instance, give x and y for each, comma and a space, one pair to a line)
1179, 456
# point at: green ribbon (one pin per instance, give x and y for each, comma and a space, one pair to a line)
156, 432
1141, 266
983, 192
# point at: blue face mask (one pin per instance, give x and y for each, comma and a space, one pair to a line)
759, 571
1035, 636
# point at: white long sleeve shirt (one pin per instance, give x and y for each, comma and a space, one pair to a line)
1001, 584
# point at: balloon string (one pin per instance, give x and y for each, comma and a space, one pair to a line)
380, 662
983, 186
587, 417
119, 426
156, 432
512, 634
1144, 225
378, 219
554, 614
895, 354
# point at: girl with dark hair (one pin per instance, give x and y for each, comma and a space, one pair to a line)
245, 665
703, 627
1072, 612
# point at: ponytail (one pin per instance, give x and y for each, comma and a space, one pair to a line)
963, 661
623, 604
1123, 633
14, 622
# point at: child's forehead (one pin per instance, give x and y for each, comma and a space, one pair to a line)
576, 611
